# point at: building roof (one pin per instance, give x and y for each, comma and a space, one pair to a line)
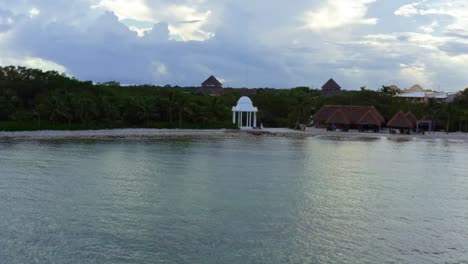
412, 118
244, 105
399, 120
415, 88
338, 118
212, 81
331, 88
369, 118
331, 85
413, 95
353, 113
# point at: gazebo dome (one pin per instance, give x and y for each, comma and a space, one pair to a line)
244, 105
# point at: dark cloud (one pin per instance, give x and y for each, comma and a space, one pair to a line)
455, 48
108, 50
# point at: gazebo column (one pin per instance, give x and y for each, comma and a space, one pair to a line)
250, 119
241, 121
255, 120
233, 117
247, 119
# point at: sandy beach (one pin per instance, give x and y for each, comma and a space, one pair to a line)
221, 133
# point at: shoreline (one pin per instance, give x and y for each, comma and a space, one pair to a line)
112, 134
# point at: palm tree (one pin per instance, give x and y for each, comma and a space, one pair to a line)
183, 106
300, 110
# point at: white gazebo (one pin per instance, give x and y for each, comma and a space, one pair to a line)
244, 105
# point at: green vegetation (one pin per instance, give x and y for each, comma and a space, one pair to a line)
31, 99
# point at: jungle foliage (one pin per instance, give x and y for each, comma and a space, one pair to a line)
32, 99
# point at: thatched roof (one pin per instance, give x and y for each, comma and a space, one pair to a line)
353, 113
331, 88
331, 85
338, 118
400, 121
412, 118
369, 118
211, 81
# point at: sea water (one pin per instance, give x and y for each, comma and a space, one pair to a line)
234, 200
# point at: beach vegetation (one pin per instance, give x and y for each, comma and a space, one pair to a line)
31, 99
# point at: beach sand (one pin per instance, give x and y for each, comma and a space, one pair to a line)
221, 133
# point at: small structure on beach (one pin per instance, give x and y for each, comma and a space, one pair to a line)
412, 118
331, 88
245, 107
371, 121
212, 86
338, 120
425, 124
401, 122
346, 117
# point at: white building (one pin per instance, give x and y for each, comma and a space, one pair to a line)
418, 94
245, 108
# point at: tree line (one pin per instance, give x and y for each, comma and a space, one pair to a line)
32, 99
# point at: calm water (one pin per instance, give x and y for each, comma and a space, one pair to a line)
265, 200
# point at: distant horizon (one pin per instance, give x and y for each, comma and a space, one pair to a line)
232, 87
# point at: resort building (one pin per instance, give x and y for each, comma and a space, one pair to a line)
245, 108
331, 88
418, 94
346, 117
212, 86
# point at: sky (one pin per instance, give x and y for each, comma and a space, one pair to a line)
261, 43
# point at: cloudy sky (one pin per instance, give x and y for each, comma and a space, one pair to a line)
245, 43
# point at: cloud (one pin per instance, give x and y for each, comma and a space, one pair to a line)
7, 19
36, 63
135, 9
430, 28
34, 12
456, 10
338, 13
185, 21
416, 58
409, 10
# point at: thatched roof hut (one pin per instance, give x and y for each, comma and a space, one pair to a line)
370, 118
338, 118
211, 86
412, 118
400, 121
331, 88
212, 82
354, 114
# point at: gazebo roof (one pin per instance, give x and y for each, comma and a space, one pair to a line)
244, 105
